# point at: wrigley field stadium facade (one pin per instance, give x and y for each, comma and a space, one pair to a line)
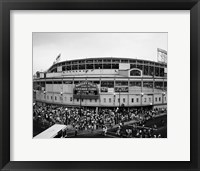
103, 82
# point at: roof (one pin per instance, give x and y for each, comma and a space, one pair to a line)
50, 132
103, 58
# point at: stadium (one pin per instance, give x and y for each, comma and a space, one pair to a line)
101, 82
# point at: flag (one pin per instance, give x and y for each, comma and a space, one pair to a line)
161, 55
58, 58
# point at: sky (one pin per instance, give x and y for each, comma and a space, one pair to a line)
47, 46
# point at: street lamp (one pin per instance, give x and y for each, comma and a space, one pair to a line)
80, 102
142, 94
44, 94
114, 99
163, 93
61, 94
119, 97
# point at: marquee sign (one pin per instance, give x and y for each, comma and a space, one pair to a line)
86, 90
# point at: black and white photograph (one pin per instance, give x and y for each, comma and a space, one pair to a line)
99, 84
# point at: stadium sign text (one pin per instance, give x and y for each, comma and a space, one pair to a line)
86, 90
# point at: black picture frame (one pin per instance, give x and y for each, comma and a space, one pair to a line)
7, 5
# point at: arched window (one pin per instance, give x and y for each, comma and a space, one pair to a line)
135, 73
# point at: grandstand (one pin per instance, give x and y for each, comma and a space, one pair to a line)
103, 82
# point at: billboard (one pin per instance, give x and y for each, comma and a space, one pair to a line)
161, 55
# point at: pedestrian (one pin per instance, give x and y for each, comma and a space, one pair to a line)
105, 130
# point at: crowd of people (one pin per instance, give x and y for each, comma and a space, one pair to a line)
90, 120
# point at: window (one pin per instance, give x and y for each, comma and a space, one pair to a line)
95, 100
145, 71
115, 66
98, 66
149, 99
115, 61
57, 82
74, 62
55, 98
132, 100
82, 61
124, 100
51, 98
158, 85
68, 68
165, 86
81, 67
89, 61
77, 100
145, 99
133, 66
162, 72
109, 84
135, 84
140, 61
90, 100
89, 66
121, 83
98, 60
70, 99
76, 82
156, 99
82, 100
44, 96
107, 60
107, 66
61, 98
118, 99
148, 84
109, 100
159, 99
137, 100
135, 73
139, 67
157, 71
124, 61
74, 67
104, 100
165, 98
132, 61
65, 98
47, 97
151, 70
67, 82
